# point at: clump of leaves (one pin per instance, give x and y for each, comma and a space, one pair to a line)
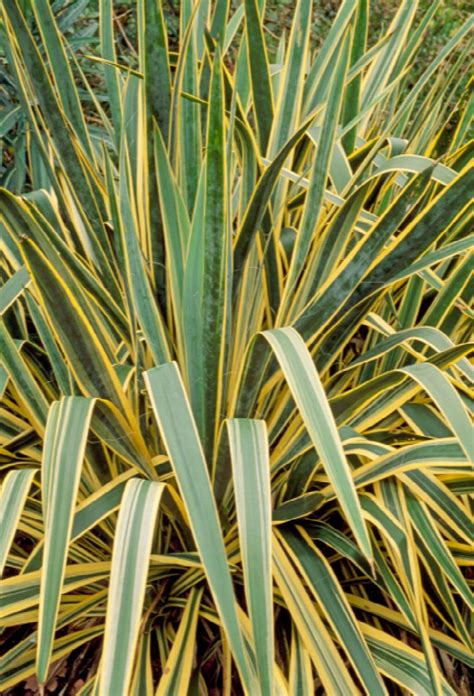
235, 319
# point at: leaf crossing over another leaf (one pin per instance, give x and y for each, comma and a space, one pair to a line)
177, 426
322, 650
325, 587
13, 288
304, 382
177, 672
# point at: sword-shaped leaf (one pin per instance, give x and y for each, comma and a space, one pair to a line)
251, 470
308, 393
178, 668
14, 491
206, 280
65, 443
130, 562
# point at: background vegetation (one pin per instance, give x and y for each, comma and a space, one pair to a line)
79, 20
235, 437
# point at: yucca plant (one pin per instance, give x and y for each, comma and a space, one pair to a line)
235, 431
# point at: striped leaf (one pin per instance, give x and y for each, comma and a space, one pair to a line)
308, 393
250, 465
177, 671
401, 663
259, 71
178, 429
13, 288
130, 562
329, 666
205, 294
14, 492
325, 587
65, 442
